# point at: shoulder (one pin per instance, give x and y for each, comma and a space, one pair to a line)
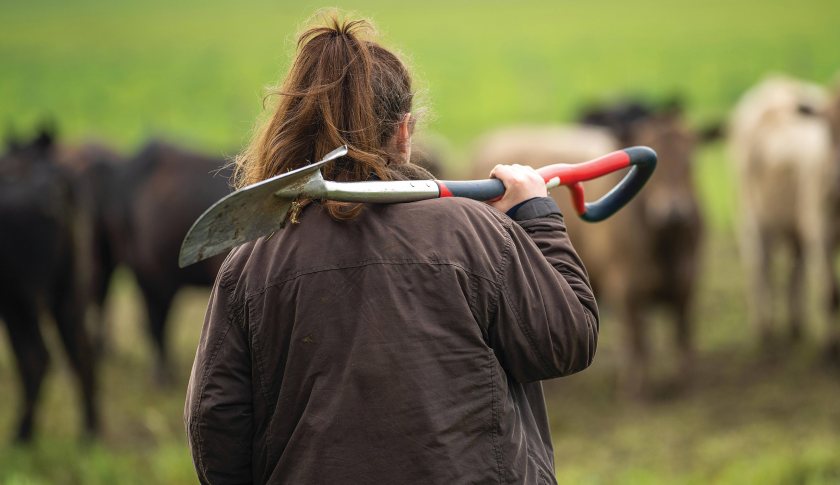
458, 217
453, 230
457, 210
236, 264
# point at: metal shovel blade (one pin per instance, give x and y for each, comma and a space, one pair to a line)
248, 213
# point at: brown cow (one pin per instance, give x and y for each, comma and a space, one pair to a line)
648, 253
782, 145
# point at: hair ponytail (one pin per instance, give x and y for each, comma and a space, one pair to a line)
342, 89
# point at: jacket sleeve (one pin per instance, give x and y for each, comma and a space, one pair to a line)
546, 321
218, 411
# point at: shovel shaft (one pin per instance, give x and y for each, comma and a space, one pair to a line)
641, 159
262, 208
380, 192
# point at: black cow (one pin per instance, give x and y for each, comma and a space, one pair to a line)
158, 195
42, 231
94, 168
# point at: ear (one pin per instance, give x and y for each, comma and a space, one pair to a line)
404, 130
711, 132
674, 105
45, 139
591, 114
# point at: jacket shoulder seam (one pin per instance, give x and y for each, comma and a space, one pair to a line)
503, 293
257, 356
526, 330
500, 272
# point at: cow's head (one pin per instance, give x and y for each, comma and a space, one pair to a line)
22, 154
669, 200
618, 117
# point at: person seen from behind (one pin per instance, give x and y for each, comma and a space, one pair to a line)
370, 343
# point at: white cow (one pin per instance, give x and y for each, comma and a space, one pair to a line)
781, 141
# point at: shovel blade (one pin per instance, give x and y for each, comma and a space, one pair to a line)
248, 213
238, 218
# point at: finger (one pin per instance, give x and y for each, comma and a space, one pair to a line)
500, 171
510, 176
533, 174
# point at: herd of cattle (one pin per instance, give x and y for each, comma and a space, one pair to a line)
70, 215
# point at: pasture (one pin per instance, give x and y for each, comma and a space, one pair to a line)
195, 72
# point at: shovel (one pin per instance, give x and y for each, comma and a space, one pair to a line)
261, 209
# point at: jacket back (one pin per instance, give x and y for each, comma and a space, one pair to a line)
404, 346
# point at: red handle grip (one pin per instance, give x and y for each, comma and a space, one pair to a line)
572, 173
643, 161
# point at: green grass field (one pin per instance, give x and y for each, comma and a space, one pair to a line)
196, 72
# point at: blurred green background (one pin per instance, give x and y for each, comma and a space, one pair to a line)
196, 72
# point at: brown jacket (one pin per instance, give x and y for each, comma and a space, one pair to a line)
405, 346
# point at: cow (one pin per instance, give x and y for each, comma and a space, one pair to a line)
41, 261
158, 194
620, 116
834, 227
646, 254
93, 166
781, 143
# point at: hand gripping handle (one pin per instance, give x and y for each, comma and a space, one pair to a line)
641, 159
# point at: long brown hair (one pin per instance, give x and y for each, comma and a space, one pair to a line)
342, 89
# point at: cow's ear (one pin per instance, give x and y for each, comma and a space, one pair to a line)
592, 114
45, 139
711, 132
673, 105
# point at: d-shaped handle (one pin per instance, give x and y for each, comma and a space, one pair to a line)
643, 163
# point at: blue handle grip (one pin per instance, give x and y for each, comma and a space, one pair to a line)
643, 163
482, 190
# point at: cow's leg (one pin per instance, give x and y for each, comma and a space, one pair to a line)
796, 303
834, 301
684, 340
104, 272
833, 308
756, 250
69, 317
634, 373
158, 301
813, 227
32, 358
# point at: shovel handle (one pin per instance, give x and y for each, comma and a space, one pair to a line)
641, 159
